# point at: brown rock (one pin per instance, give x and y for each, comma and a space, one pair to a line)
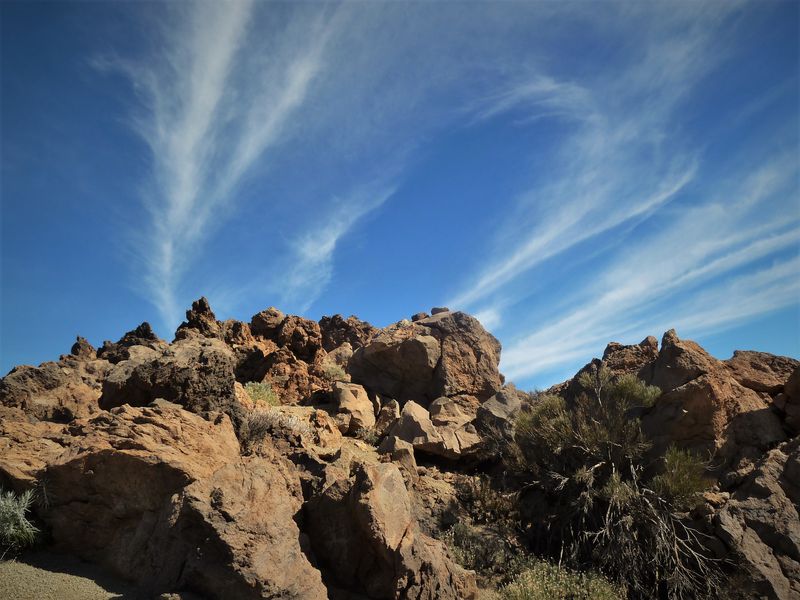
337, 330
388, 415
352, 399
416, 428
200, 319
761, 371
143, 335
161, 497
294, 380
267, 323
401, 453
83, 349
679, 362
301, 336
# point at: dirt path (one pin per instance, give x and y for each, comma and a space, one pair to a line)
44, 576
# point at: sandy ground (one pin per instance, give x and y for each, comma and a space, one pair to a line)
45, 576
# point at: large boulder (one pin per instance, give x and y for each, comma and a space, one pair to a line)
679, 362
57, 391
761, 371
447, 354
162, 497
451, 435
197, 373
496, 416
352, 400
365, 536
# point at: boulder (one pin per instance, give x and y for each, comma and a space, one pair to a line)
301, 336
761, 371
293, 380
352, 399
497, 414
337, 330
635, 358
388, 415
454, 438
83, 349
679, 362
401, 453
143, 335
364, 535
197, 373
446, 413
792, 400
162, 497
448, 354
267, 323
416, 428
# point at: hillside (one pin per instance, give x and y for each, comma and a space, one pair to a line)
287, 458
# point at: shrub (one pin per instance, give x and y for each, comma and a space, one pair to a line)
484, 551
588, 501
546, 581
368, 435
484, 503
16, 531
682, 480
261, 393
332, 372
258, 424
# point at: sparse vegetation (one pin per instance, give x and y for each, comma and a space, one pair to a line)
260, 423
332, 372
546, 581
16, 531
368, 435
262, 394
587, 501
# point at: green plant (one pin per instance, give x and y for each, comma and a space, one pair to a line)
261, 393
258, 424
332, 372
683, 478
368, 435
484, 503
16, 531
587, 500
546, 581
485, 551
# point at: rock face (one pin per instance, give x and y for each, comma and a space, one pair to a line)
365, 536
143, 335
337, 330
760, 371
162, 497
448, 354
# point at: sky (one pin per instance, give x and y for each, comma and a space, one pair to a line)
571, 173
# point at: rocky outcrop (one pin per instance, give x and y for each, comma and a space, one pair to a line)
57, 391
761, 526
162, 497
497, 414
445, 431
761, 371
200, 320
337, 330
449, 354
354, 406
366, 538
143, 335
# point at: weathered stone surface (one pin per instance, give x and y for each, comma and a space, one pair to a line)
497, 414
679, 362
337, 330
293, 380
416, 428
453, 438
267, 323
637, 358
352, 399
301, 336
792, 400
56, 391
446, 413
448, 354
401, 453
162, 497
197, 373
363, 532
761, 371
83, 349
388, 415
761, 525
200, 319
143, 335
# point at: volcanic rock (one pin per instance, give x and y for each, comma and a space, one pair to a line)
337, 330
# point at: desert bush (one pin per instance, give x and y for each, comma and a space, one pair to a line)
259, 423
261, 393
546, 581
588, 502
368, 435
332, 372
16, 531
484, 503
487, 552
683, 478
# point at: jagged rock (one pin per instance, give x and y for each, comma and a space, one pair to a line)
445, 412
267, 323
419, 316
448, 354
163, 498
337, 330
292, 379
197, 373
200, 320
760, 524
340, 356
679, 362
363, 532
56, 391
437, 310
143, 335
83, 349
761, 371
352, 399
416, 428
301, 336
791, 401
636, 358
388, 415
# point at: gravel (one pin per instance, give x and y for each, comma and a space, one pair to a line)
44, 576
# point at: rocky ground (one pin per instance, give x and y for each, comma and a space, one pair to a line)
152, 460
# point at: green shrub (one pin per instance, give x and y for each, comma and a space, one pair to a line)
258, 424
261, 393
332, 372
546, 581
485, 551
16, 531
368, 435
683, 478
588, 502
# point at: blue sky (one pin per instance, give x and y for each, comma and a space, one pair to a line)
571, 173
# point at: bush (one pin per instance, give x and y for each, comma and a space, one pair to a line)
368, 435
332, 372
683, 478
258, 424
261, 393
484, 551
588, 502
545, 581
16, 531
